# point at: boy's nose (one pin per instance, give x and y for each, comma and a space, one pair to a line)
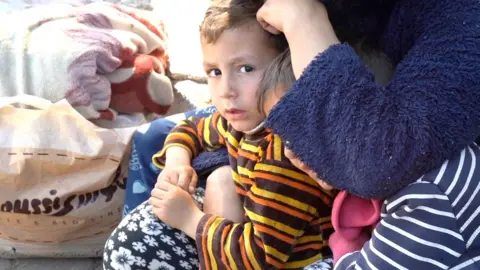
228, 89
227, 94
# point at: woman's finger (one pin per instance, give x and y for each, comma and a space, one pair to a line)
324, 185
289, 154
295, 161
300, 165
303, 167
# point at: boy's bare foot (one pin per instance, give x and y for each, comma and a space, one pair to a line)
175, 207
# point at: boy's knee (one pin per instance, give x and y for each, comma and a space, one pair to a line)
220, 176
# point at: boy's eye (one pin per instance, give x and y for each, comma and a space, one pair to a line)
214, 72
246, 69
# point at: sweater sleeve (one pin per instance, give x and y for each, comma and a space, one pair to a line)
285, 211
195, 135
372, 140
418, 231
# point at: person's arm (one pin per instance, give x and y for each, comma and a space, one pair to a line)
190, 137
372, 140
418, 231
282, 208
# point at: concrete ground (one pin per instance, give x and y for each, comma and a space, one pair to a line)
51, 264
182, 18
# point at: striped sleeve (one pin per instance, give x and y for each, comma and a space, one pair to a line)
285, 210
418, 230
195, 135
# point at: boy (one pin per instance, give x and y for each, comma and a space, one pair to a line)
284, 208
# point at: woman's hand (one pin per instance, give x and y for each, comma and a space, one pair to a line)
305, 24
282, 15
300, 165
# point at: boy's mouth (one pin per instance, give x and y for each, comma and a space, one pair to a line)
234, 111
235, 114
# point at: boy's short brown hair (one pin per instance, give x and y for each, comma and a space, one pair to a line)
223, 15
279, 73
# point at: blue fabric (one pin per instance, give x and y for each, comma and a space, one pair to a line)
372, 140
142, 174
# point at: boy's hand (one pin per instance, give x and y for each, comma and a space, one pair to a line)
300, 165
183, 176
175, 207
282, 15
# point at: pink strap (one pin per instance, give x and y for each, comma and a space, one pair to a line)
352, 214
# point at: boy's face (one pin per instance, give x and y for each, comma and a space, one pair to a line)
235, 64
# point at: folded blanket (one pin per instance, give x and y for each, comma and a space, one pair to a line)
101, 57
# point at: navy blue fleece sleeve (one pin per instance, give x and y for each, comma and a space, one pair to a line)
372, 140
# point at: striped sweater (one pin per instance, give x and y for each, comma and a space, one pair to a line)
433, 223
287, 214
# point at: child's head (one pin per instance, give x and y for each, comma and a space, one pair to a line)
236, 52
278, 78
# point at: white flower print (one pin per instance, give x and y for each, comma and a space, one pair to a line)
191, 249
110, 244
139, 246
141, 206
149, 240
199, 196
194, 261
167, 240
133, 227
163, 255
185, 265
148, 207
157, 265
321, 265
151, 227
139, 261
180, 251
105, 256
147, 212
135, 217
122, 259
122, 237
182, 237
124, 222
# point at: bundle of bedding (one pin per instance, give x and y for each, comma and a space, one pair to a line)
102, 58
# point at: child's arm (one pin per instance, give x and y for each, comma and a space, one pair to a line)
418, 231
282, 207
192, 136
184, 143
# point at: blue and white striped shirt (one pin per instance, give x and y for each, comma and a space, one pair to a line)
433, 223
